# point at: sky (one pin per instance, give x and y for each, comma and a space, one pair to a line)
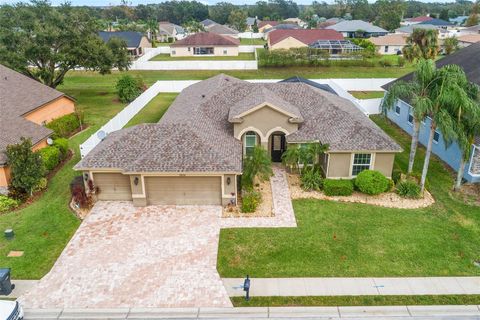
135, 2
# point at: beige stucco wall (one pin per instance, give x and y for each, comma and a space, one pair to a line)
287, 43
392, 49
384, 163
264, 120
339, 165
4, 176
55, 109
217, 51
144, 43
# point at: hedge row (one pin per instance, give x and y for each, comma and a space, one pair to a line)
52, 155
63, 127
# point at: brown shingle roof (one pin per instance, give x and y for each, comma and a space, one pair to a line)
306, 36
390, 40
206, 39
221, 29
19, 95
194, 135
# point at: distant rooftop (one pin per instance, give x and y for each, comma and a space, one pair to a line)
355, 25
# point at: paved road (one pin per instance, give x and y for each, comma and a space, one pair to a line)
397, 312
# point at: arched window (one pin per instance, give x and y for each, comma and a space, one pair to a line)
250, 142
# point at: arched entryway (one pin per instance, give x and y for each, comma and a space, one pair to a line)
277, 145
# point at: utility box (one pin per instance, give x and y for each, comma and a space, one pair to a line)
5, 283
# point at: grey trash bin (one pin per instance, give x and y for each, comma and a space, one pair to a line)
5, 283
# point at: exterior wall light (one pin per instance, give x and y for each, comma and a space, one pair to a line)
85, 176
135, 181
229, 180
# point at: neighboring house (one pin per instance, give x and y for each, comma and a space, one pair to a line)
223, 30
438, 23
194, 154
469, 59
390, 44
262, 25
251, 22
470, 30
468, 39
358, 29
297, 21
26, 106
297, 38
416, 20
136, 42
459, 21
168, 30
442, 33
205, 43
281, 26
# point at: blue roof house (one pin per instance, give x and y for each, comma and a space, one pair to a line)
469, 59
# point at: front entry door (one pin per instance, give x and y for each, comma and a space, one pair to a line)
278, 146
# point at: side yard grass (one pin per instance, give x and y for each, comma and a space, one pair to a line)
252, 42
356, 240
241, 56
356, 301
367, 94
44, 228
154, 110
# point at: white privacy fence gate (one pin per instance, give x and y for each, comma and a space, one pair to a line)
122, 118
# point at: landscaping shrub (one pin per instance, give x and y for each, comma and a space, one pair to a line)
62, 145
50, 157
7, 204
129, 88
371, 182
333, 187
311, 180
80, 197
396, 175
42, 185
64, 126
259, 165
385, 62
401, 61
250, 201
408, 189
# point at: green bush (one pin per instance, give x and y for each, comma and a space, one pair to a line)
62, 145
258, 164
7, 204
408, 189
333, 187
42, 185
50, 157
129, 88
396, 175
401, 61
250, 201
371, 182
64, 126
311, 180
385, 62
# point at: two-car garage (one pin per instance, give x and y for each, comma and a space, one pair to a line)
161, 190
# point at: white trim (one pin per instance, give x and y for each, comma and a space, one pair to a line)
280, 129
433, 138
475, 147
245, 130
352, 158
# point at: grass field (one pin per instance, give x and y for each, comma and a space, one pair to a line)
357, 240
252, 42
367, 94
154, 110
241, 57
356, 301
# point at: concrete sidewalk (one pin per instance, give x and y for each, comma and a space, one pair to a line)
354, 286
388, 312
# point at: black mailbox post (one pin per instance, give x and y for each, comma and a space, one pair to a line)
5, 283
246, 288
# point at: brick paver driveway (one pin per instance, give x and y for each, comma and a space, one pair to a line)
121, 256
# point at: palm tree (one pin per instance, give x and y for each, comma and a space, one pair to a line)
422, 44
444, 94
418, 92
466, 112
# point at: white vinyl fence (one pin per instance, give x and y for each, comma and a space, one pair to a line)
122, 118
250, 35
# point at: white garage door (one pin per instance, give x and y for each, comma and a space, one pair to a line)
183, 190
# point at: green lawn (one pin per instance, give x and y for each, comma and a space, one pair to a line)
356, 301
358, 240
367, 94
241, 56
252, 42
43, 229
154, 110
